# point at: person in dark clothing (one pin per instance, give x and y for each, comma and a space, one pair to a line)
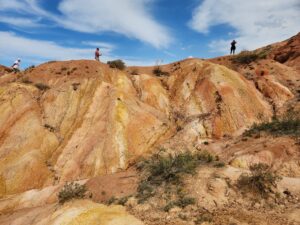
233, 47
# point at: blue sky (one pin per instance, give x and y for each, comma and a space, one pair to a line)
141, 32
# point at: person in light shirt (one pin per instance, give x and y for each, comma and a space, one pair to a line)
16, 65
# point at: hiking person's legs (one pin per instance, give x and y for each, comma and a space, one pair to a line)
232, 50
15, 70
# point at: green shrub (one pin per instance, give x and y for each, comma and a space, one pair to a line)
261, 180
288, 125
118, 64
158, 72
145, 191
42, 87
245, 57
71, 191
168, 171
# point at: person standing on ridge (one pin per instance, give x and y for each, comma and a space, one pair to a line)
16, 65
97, 54
233, 47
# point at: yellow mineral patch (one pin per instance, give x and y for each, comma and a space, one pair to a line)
239, 163
103, 215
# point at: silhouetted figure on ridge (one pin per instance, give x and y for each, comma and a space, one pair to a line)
97, 54
233, 47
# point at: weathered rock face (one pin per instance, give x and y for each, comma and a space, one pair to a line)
72, 213
75, 120
276, 82
231, 102
289, 52
82, 126
78, 120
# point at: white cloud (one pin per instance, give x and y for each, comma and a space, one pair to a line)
20, 21
31, 51
257, 23
127, 17
13, 46
11, 5
105, 48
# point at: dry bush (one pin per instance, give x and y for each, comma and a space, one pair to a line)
118, 64
71, 191
261, 180
42, 87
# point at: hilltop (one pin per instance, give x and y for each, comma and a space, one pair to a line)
85, 122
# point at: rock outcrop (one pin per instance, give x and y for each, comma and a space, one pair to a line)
65, 121
83, 121
63, 128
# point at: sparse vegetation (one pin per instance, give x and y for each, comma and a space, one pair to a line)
118, 64
261, 180
246, 57
134, 72
166, 173
158, 72
123, 200
25, 80
42, 87
30, 68
49, 127
75, 86
118, 201
181, 202
112, 200
288, 125
202, 218
219, 164
71, 191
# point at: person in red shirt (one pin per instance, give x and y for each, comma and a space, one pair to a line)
97, 54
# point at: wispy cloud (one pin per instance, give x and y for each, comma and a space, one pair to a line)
131, 18
13, 46
12, 5
20, 22
127, 17
256, 23
99, 44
